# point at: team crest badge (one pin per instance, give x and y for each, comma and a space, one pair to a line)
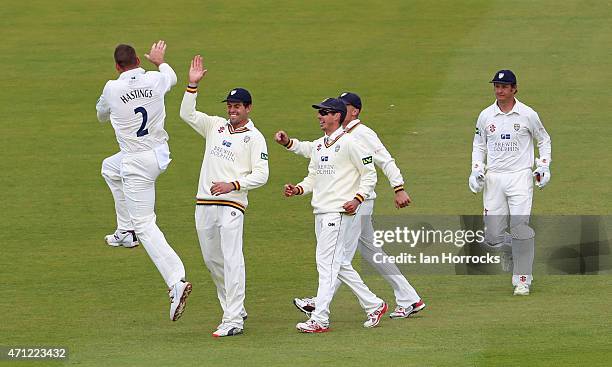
221, 129
492, 128
319, 147
247, 138
337, 148
517, 127
500, 75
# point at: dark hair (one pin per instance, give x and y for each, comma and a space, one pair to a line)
125, 56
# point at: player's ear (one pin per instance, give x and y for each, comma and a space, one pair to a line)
248, 108
118, 68
137, 61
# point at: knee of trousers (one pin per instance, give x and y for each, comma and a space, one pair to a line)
493, 239
522, 231
141, 224
108, 172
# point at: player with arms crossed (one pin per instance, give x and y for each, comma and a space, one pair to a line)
235, 162
408, 302
341, 176
134, 104
504, 142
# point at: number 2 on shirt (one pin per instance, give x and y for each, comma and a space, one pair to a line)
142, 131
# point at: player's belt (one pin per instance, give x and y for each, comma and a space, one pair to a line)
221, 203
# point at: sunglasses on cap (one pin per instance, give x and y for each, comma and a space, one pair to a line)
325, 112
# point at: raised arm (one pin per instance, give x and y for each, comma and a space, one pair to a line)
199, 121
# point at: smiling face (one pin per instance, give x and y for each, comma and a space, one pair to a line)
238, 113
504, 93
329, 120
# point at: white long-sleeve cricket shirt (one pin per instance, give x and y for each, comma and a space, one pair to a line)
340, 170
239, 156
370, 140
504, 141
134, 103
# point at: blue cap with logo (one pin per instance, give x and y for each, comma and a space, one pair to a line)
504, 77
333, 104
351, 99
239, 95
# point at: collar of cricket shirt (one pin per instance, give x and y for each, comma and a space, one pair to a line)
331, 139
249, 126
130, 73
515, 109
351, 125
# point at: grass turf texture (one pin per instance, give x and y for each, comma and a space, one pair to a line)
422, 70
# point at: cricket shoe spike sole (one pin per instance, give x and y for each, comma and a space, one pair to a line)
306, 305
180, 307
311, 327
375, 317
404, 312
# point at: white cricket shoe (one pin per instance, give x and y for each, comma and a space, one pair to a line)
506, 261
243, 314
404, 312
306, 305
375, 316
178, 296
312, 326
122, 238
521, 289
226, 330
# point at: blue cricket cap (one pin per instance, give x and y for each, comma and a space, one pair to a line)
239, 95
351, 99
504, 77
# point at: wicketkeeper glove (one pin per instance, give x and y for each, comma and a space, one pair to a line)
476, 180
542, 173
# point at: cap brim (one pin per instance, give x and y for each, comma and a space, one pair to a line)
500, 82
319, 106
235, 100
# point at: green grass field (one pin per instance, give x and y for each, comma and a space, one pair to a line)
422, 69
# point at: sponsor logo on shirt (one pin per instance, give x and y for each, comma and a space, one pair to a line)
221, 129
506, 146
324, 158
326, 169
226, 143
223, 153
264, 156
366, 160
505, 136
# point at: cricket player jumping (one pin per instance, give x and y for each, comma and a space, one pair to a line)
408, 302
235, 162
134, 104
504, 140
341, 176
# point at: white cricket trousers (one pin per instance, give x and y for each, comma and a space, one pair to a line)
508, 194
131, 179
220, 234
337, 235
405, 294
